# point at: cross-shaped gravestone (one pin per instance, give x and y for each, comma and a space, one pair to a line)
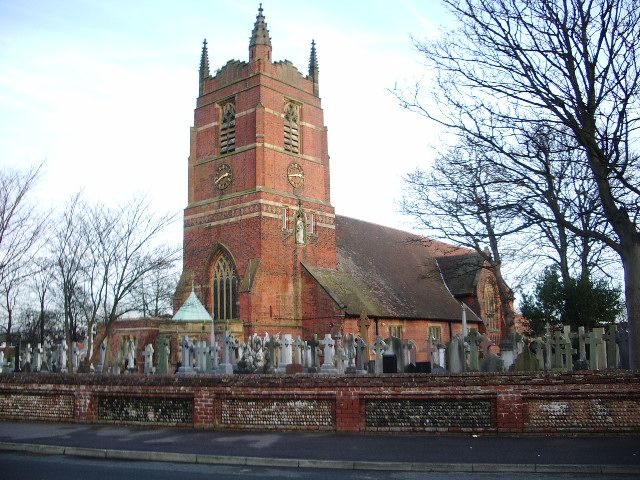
227, 342
602, 350
474, 338
350, 350
378, 347
298, 351
611, 346
213, 363
26, 357
594, 340
567, 353
361, 352
328, 344
558, 342
314, 345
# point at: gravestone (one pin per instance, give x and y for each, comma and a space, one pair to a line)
601, 350
314, 346
474, 339
328, 345
103, 350
37, 358
299, 349
378, 348
270, 349
62, 357
611, 346
75, 356
350, 351
395, 348
26, 358
361, 356
286, 353
187, 350
456, 355
148, 360
622, 339
213, 362
340, 359
389, 363
201, 351
226, 368
538, 348
526, 361
163, 355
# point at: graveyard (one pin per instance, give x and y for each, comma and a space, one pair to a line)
561, 383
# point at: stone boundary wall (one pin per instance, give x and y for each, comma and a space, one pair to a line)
509, 403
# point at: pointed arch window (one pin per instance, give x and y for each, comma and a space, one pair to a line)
490, 307
292, 127
228, 128
224, 289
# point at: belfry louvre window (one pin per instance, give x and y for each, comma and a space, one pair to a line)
228, 128
292, 127
225, 290
490, 307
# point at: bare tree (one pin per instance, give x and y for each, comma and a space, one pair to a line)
68, 248
21, 227
128, 249
573, 63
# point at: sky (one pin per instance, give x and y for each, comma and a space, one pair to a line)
103, 92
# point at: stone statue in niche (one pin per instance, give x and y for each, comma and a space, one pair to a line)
299, 229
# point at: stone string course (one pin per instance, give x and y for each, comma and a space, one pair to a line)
509, 403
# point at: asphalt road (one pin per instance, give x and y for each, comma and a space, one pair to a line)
36, 467
592, 450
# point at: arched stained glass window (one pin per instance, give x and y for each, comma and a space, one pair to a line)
490, 307
292, 127
224, 290
228, 128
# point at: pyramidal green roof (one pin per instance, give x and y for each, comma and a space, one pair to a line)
192, 310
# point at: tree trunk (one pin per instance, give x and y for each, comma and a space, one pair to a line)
631, 264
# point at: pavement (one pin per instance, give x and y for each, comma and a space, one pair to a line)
389, 451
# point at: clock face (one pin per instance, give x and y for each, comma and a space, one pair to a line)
295, 175
223, 176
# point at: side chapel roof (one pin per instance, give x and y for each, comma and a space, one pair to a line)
386, 272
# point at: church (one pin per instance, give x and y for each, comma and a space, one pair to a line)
264, 251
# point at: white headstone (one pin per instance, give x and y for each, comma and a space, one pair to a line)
187, 348
286, 357
62, 356
327, 365
37, 358
148, 359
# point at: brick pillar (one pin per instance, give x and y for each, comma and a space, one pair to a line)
203, 411
349, 411
84, 405
510, 413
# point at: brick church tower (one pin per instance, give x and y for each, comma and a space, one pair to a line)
258, 191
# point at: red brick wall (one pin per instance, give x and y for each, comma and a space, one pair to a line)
556, 404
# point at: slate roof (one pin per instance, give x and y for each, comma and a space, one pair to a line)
385, 272
192, 310
461, 272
